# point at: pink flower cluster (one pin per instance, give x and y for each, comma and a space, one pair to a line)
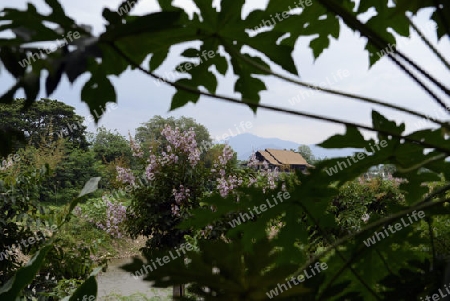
181, 194
227, 155
6, 164
226, 184
135, 148
253, 162
152, 167
179, 144
271, 176
116, 214
125, 175
184, 142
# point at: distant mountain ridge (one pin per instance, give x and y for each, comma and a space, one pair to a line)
245, 144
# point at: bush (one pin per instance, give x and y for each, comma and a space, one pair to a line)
109, 216
360, 200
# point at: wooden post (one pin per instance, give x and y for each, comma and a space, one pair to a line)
178, 291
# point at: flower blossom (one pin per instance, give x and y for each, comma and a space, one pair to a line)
184, 142
181, 194
365, 217
124, 175
136, 148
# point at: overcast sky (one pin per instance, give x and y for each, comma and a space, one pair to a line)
139, 98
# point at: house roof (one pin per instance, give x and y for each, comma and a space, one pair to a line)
287, 157
269, 158
279, 157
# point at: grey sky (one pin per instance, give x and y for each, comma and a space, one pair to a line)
139, 98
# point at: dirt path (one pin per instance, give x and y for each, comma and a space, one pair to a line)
116, 281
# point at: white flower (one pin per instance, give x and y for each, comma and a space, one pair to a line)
365, 217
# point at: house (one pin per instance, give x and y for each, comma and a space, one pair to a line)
283, 159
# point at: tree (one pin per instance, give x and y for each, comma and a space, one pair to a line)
108, 145
21, 177
213, 153
150, 137
70, 176
420, 157
306, 153
174, 183
44, 118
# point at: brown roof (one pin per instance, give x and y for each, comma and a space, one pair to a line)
285, 156
269, 158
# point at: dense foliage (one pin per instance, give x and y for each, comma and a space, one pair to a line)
361, 199
109, 146
46, 118
149, 134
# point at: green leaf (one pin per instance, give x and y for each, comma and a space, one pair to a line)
54, 77
242, 275
249, 87
14, 286
158, 58
208, 13
319, 44
144, 24
76, 64
10, 60
382, 123
90, 186
57, 9
221, 64
97, 92
8, 139
181, 97
209, 81
190, 52
112, 62
441, 18
266, 43
87, 290
230, 12
352, 138
31, 85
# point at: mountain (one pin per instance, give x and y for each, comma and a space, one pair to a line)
245, 144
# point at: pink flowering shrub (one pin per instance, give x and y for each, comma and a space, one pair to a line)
225, 179
105, 215
179, 181
135, 148
176, 181
125, 175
